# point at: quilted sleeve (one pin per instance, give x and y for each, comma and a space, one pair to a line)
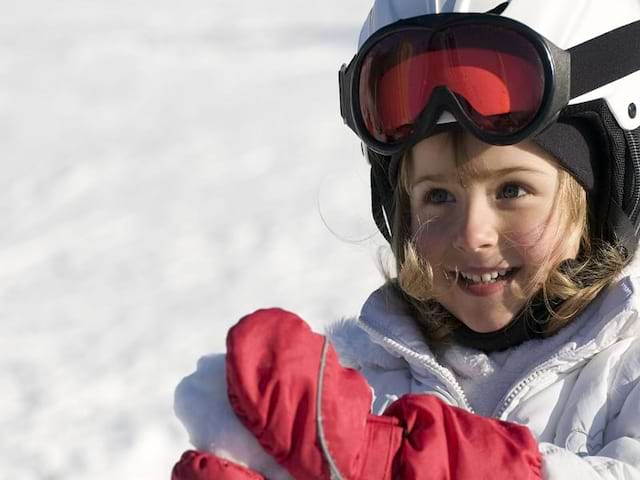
611, 452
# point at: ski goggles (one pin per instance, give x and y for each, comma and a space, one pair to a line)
501, 80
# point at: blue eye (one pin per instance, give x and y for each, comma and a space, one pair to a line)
438, 195
512, 190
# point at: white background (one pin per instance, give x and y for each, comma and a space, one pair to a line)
166, 168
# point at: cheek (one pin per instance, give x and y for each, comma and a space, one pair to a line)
432, 239
538, 241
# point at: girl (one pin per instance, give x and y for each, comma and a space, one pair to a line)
505, 173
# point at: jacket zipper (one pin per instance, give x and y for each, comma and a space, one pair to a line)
445, 375
515, 391
428, 362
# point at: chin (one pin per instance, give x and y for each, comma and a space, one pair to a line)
492, 324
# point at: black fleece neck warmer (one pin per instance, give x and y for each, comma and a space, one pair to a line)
530, 323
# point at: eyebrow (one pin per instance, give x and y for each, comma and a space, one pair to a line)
484, 174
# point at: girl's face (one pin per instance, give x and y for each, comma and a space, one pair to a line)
486, 224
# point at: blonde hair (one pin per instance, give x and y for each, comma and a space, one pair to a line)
568, 288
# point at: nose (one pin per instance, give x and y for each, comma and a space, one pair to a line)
477, 229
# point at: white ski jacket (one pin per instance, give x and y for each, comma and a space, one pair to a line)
581, 400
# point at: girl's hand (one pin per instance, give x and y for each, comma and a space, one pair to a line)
206, 466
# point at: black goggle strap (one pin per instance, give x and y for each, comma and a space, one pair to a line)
594, 63
381, 194
605, 58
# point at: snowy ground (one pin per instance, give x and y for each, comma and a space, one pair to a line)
167, 167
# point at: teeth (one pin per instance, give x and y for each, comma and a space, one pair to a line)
485, 277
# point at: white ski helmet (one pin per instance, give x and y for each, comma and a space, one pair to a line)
566, 24
600, 126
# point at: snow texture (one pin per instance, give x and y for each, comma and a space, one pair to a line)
167, 168
202, 405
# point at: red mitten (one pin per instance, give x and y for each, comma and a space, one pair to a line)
448, 442
287, 387
206, 466
273, 369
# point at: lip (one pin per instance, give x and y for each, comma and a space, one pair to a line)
484, 289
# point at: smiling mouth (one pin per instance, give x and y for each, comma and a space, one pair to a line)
485, 278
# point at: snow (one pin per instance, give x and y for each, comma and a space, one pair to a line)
167, 168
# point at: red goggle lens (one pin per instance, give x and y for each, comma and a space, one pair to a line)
495, 74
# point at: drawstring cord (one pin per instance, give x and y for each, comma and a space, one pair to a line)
333, 468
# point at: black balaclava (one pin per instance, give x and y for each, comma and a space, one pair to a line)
578, 144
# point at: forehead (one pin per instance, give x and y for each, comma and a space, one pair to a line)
463, 157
